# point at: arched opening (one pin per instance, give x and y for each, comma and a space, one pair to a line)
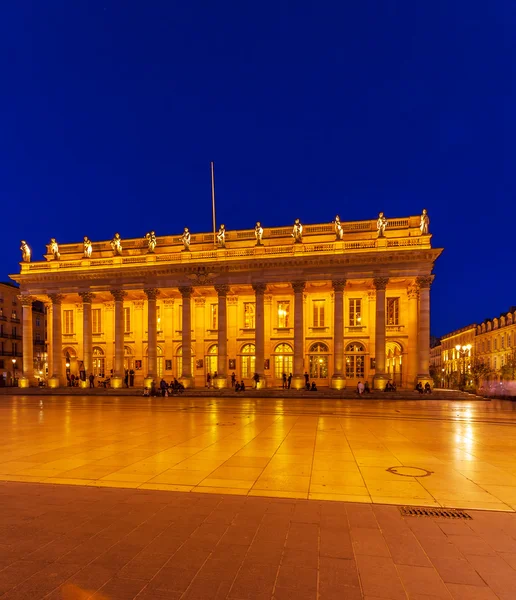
159, 361
71, 366
318, 359
128, 358
355, 361
283, 360
179, 361
393, 356
211, 360
247, 361
99, 362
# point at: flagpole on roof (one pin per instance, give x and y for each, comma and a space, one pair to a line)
213, 202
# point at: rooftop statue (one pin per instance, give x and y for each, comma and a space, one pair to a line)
339, 231
151, 241
88, 248
185, 238
381, 225
116, 245
297, 232
258, 233
26, 251
221, 237
425, 222
54, 248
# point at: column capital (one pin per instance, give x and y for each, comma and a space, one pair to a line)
87, 297
412, 292
298, 286
151, 293
424, 281
339, 285
259, 288
380, 283
26, 300
118, 295
186, 291
56, 298
222, 289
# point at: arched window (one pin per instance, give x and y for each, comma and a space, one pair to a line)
248, 361
318, 360
179, 361
355, 360
283, 360
128, 358
211, 359
99, 362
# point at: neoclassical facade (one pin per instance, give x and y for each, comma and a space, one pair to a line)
342, 308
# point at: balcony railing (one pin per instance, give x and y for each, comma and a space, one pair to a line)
16, 336
15, 320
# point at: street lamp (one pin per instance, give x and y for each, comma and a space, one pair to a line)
14, 371
463, 351
442, 377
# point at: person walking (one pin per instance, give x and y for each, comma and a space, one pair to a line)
163, 387
126, 378
284, 381
256, 379
307, 379
289, 381
92, 380
233, 379
208, 380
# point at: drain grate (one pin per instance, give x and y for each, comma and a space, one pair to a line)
423, 511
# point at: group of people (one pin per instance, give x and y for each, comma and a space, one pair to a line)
390, 386
165, 389
427, 389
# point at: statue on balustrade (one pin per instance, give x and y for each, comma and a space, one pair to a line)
26, 251
425, 222
221, 237
258, 233
88, 248
116, 245
297, 232
54, 249
151, 241
381, 225
185, 238
339, 231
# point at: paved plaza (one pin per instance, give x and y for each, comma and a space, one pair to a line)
252, 499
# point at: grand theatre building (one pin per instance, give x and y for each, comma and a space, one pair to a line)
346, 307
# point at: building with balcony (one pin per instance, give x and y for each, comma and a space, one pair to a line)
340, 310
495, 344
11, 338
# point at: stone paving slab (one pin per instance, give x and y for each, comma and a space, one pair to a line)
60, 542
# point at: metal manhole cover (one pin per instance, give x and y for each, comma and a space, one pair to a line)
225, 424
406, 471
423, 511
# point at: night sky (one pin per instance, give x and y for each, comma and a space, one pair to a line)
110, 113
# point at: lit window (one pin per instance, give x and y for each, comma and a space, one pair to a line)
283, 360
213, 316
249, 316
355, 312
14, 315
68, 322
283, 313
248, 361
96, 322
495, 344
503, 342
127, 319
318, 313
355, 361
393, 306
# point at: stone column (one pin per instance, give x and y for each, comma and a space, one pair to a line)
152, 337
221, 381
87, 335
200, 330
259, 331
57, 378
298, 379
380, 379
27, 377
423, 337
413, 333
338, 380
186, 337
118, 371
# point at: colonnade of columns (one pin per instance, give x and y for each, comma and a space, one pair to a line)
422, 316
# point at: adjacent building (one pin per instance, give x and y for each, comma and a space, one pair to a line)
339, 306
11, 340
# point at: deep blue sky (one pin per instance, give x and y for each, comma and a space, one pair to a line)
110, 113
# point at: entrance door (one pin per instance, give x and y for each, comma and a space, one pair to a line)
318, 362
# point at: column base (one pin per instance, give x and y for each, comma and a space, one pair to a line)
54, 382
262, 383
23, 382
379, 381
338, 382
116, 382
298, 382
84, 384
188, 381
220, 382
148, 381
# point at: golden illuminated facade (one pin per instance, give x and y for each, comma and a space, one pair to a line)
341, 310
457, 350
495, 344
